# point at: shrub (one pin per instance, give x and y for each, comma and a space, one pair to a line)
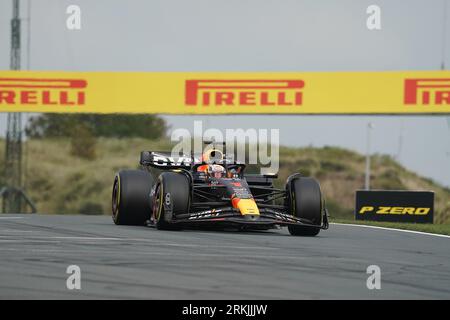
83, 143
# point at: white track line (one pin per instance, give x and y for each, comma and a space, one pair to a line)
83, 238
392, 229
5, 218
27, 241
93, 240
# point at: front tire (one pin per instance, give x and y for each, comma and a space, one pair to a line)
130, 197
171, 190
306, 204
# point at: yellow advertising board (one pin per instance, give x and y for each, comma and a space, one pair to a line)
403, 92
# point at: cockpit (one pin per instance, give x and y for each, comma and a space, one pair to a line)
216, 165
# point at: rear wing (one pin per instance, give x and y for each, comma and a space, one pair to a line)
165, 160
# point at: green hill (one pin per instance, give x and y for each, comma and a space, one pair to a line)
59, 182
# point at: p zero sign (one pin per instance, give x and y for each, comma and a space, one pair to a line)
395, 206
411, 92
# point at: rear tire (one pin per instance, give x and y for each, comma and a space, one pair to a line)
305, 203
130, 197
174, 188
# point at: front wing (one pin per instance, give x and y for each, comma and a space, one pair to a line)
231, 216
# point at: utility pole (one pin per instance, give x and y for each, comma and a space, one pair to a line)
448, 124
368, 155
400, 140
444, 33
12, 201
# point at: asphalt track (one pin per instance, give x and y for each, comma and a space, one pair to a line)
144, 263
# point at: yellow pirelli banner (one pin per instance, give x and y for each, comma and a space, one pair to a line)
411, 92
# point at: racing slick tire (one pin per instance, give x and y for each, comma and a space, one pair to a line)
172, 189
306, 203
131, 190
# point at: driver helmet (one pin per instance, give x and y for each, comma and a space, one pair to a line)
216, 171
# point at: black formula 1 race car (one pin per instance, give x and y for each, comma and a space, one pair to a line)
214, 191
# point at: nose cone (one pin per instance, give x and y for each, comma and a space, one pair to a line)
246, 206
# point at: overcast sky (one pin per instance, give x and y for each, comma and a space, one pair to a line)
255, 35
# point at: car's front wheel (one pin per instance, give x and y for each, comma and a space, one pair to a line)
170, 197
306, 204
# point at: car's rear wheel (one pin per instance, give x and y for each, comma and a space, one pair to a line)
306, 204
172, 190
130, 197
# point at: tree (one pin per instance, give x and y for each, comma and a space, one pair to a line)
116, 125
